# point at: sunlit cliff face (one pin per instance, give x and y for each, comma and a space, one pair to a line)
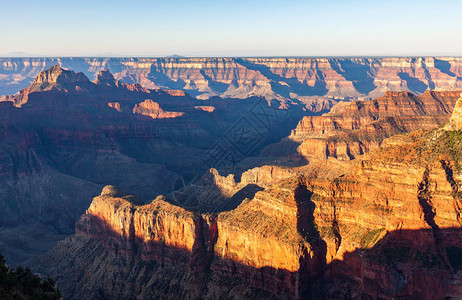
397, 212
369, 211
354, 128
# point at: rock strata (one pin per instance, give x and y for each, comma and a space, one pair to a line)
316, 83
153, 110
354, 128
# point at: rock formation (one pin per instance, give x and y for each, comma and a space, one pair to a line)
388, 228
455, 122
64, 137
318, 83
354, 128
153, 110
392, 225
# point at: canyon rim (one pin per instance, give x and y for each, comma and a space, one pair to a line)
290, 150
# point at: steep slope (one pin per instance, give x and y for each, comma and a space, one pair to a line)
64, 137
205, 247
392, 226
354, 128
389, 228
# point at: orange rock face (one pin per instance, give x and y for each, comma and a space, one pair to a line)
455, 123
274, 233
353, 128
153, 110
140, 229
115, 105
205, 108
396, 213
177, 93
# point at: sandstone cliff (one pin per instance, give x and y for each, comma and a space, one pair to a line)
64, 137
354, 128
455, 122
388, 228
153, 110
316, 82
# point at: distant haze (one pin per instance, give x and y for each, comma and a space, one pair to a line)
230, 28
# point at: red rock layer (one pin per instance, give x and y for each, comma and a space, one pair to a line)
316, 82
354, 128
263, 240
153, 110
397, 213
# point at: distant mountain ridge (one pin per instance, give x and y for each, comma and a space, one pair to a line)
317, 82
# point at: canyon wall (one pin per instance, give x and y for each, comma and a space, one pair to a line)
64, 137
316, 82
388, 228
354, 128
265, 242
392, 225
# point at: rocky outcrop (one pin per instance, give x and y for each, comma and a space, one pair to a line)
205, 108
280, 255
115, 105
354, 128
54, 79
393, 222
140, 230
455, 122
58, 75
153, 110
388, 228
315, 82
274, 233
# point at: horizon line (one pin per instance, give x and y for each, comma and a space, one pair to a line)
237, 56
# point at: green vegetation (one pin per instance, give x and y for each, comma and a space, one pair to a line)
369, 239
453, 142
446, 144
23, 284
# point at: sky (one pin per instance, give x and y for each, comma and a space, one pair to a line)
231, 28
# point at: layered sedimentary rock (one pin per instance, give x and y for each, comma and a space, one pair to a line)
271, 240
141, 230
455, 122
316, 82
392, 226
64, 137
354, 128
280, 255
388, 228
213, 192
153, 110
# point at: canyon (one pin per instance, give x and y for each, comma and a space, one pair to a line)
388, 227
317, 83
64, 137
222, 178
385, 225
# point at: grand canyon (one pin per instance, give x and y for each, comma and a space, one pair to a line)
234, 178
